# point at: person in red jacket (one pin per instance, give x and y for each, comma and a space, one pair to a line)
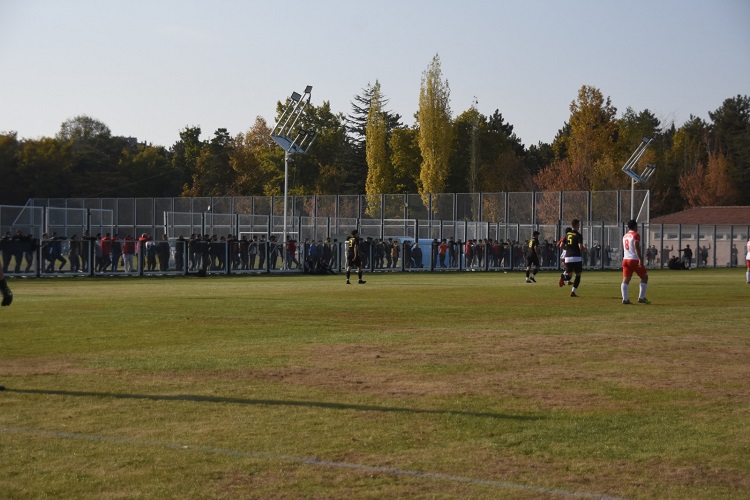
106, 245
291, 253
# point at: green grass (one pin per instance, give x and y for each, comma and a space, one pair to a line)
414, 385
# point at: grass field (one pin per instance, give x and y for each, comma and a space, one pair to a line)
444, 385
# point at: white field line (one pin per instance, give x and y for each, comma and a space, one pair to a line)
308, 461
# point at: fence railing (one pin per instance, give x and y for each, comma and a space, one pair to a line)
410, 245
147, 215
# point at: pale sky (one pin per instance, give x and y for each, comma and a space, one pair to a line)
148, 69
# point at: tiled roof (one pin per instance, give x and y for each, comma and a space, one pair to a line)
707, 215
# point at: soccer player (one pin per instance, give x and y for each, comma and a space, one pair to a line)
573, 256
532, 259
561, 245
632, 262
353, 258
747, 261
7, 294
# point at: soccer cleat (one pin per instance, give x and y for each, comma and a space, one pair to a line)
528, 280
533, 280
626, 302
573, 294
361, 282
644, 300
561, 283
348, 282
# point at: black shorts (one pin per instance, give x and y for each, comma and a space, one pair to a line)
532, 261
353, 261
574, 267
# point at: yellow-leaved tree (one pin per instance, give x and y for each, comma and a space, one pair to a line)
435, 129
379, 171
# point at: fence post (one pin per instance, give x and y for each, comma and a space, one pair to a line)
227, 257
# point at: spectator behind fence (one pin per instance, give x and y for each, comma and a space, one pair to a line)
128, 251
86, 245
252, 252
106, 246
74, 254
416, 256
262, 252
151, 255
54, 252
687, 256
179, 253
163, 252
116, 251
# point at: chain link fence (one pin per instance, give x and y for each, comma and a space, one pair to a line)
492, 228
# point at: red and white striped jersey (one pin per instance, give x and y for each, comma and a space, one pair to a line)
629, 242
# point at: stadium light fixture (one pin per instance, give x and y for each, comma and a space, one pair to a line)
293, 139
630, 169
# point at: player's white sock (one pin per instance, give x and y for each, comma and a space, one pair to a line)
748, 276
642, 294
624, 288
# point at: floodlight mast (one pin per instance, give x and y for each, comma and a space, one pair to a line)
645, 175
293, 141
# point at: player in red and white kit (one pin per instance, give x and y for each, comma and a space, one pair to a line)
632, 262
747, 261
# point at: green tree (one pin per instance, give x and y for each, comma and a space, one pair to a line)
42, 167
9, 164
214, 175
322, 169
93, 157
253, 159
356, 135
82, 129
593, 134
730, 131
185, 154
147, 172
405, 159
435, 131
585, 149
328, 155
469, 128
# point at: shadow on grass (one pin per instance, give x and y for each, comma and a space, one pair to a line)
272, 402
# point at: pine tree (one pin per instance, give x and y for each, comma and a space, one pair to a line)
356, 134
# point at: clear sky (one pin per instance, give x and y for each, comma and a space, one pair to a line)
148, 69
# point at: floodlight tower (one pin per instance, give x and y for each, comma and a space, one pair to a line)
645, 175
293, 139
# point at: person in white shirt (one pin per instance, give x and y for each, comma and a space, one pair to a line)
747, 261
632, 262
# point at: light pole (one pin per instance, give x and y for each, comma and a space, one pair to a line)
289, 134
645, 175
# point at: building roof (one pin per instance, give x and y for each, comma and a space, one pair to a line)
707, 215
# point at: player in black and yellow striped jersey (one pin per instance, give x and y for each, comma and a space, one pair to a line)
353, 258
532, 258
573, 255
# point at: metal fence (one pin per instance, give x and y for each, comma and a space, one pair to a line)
147, 215
44, 241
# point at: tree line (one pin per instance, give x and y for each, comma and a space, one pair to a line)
371, 151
